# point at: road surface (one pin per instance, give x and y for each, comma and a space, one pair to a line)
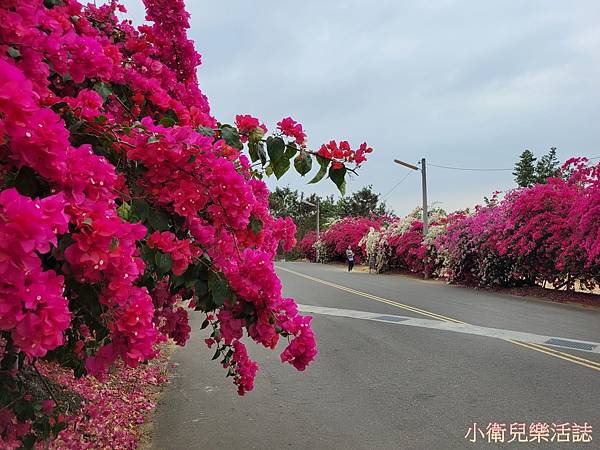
403, 364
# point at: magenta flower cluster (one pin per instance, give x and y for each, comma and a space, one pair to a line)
32, 304
306, 246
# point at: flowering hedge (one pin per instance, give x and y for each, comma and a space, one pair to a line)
343, 233
545, 234
399, 244
121, 197
468, 249
307, 246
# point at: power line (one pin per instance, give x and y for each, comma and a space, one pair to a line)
397, 184
469, 168
478, 169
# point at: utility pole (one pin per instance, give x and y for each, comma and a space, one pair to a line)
318, 221
318, 226
424, 189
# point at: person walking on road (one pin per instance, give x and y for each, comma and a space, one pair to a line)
350, 256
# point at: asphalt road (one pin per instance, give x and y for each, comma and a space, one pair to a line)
394, 379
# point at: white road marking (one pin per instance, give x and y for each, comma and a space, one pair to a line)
586, 346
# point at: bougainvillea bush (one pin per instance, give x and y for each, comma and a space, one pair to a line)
345, 232
399, 244
547, 234
468, 248
551, 229
307, 246
122, 200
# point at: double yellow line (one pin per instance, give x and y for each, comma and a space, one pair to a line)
536, 347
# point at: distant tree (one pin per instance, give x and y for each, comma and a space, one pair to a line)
285, 202
328, 213
547, 167
363, 203
525, 171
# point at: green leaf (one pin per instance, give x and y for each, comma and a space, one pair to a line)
114, 243
26, 182
76, 126
201, 288
63, 242
324, 163
124, 211
58, 106
231, 137
290, 150
103, 89
154, 138
204, 299
275, 149
158, 219
228, 356
13, 52
338, 177
206, 131
167, 122
219, 289
255, 225
204, 324
190, 276
172, 115
149, 257
303, 163
253, 150
217, 354
319, 176
100, 119
140, 209
280, 167
163, 262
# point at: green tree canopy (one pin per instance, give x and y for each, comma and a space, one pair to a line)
547, 167
285, 202
363, 203
288, 202
525, 173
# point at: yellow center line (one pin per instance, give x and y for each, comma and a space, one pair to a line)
376, 298
568, 355
536, 347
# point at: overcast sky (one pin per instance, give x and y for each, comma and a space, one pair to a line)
461, 83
